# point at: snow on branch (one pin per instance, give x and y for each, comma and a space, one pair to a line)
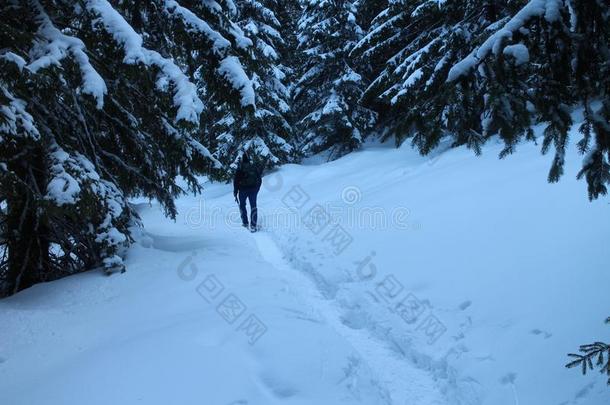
63, 188
73, 176
14, 58
519, 52
14, 118
186, 100
120, 30
377, 33
52, 46
262, 149
241, 40
219, 43
193, 146
196, 24
232, 70
549, 9
203, 151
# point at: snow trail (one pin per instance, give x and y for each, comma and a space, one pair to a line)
399, 381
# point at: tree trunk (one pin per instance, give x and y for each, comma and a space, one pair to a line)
28, 236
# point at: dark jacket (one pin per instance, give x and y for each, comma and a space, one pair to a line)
242, 173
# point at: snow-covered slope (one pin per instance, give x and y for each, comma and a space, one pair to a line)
499, 275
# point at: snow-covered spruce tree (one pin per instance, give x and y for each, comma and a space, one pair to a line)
552, 55
288, 13
512, 88
328, 89
266, 130
91, 113
591, 27
370, 13
407, 51
367, 12
533, 61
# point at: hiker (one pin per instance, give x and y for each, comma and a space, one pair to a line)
246, 184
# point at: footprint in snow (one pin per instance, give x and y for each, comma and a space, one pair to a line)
465, 305
296, 314
509, 378
542, 333
354, 319
584, 391
279, 389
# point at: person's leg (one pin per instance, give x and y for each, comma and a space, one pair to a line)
253, 210
242, 195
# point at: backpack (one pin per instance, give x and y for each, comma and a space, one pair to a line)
250, 176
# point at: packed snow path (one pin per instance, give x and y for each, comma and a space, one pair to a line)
457, 280
398, 381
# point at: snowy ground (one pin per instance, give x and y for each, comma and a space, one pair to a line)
380, 278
